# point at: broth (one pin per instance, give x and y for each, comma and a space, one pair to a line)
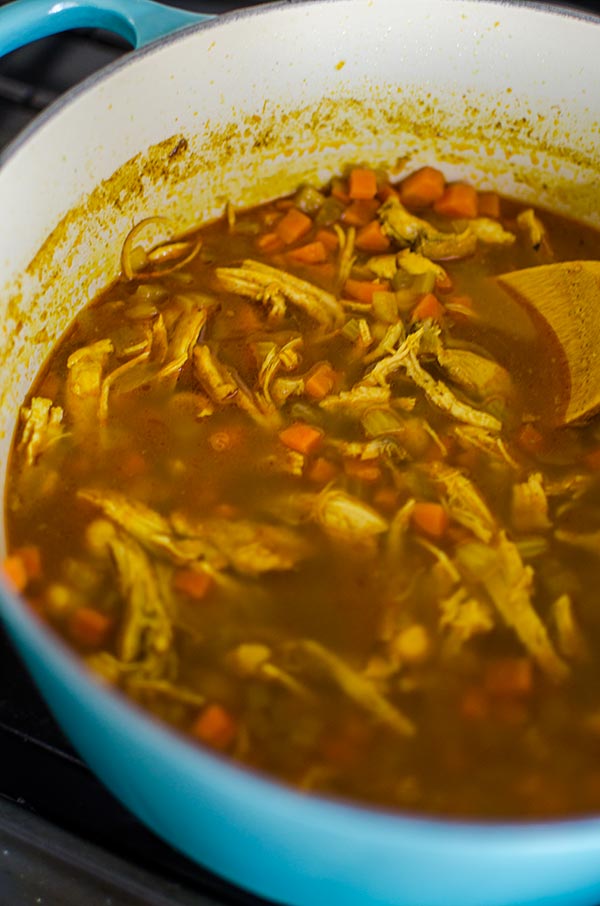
294, 484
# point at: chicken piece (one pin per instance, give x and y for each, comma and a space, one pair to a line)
569, 637
181, 344
308, 655
394, 335
282, 461
449, 246
384, 266
438, 394
479, 377
531, 225
250, 548
42, 427
149, 528
416, 265
286, 357
401, 226
214, 377
387, 266
357, 401
225, 388
252, 659
143, 689
262, 282
472, 436
529, 505
343, 516
585, 541
347, 256
573, 486
145, 634
464, 502
412, 232
85, 372
498, 567
463, 616
490, 232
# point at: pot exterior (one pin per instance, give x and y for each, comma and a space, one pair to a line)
241, 110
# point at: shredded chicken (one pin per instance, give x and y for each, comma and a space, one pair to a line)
344, 516
465, 503
85, 373
308, 655
463, 616
153, 531
250, 548
42, 427
498, 567
529, 505
264, 283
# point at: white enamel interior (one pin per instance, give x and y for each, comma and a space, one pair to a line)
498, 93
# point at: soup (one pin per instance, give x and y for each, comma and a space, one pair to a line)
296, 484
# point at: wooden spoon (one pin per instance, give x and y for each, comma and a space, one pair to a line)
567, 296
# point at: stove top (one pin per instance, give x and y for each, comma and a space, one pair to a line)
64, 839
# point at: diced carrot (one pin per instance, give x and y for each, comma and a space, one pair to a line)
320, 381
592, 460
488, 204
195, 583
302, 438
386, 499
360, 212
362, 183
530, 439
428, 306
246, 317
422, 187
321, 471
364, 290
15, 572
387, 191
329, 239
363, 470
371, 238
215, 727
226, 510
293, 226
89, 627
430, 518
23, 565
311, 253
339, 189
474, 704
132, 464
284, 204
270, 242
458, 200
32, 560
508, 676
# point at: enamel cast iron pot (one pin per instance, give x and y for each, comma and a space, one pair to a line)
241, 109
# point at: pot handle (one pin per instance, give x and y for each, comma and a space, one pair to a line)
138, 21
